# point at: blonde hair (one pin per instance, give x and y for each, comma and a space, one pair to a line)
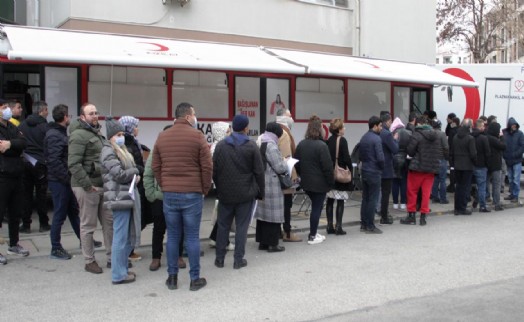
335, 126
123, 155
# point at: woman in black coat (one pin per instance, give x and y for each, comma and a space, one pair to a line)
340, 190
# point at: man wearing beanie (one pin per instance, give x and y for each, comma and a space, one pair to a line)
85, 146
238, 174
183, 168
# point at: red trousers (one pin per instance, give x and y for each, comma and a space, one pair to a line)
417, 181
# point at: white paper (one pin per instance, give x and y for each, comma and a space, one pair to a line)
30, 159
132, 188
253, 211
290, 164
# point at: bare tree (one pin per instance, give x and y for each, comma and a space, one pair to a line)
477, 24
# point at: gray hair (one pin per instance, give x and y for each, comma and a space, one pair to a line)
182, 110
39, 106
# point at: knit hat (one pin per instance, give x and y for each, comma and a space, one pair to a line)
129, 123
240, 122
113, 127
275, 128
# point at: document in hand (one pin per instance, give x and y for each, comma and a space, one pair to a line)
132, 188
290, 164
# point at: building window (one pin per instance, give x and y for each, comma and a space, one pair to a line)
447, 60
438, 61
332, 3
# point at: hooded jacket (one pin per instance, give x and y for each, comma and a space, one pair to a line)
85, 146
483, 149
514, 143
34, 129
11, 165
464, 150
497, 147
238, 171
425, 150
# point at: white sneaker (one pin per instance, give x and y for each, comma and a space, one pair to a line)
321, 236
212, 243
230, 247
317, 240
403, 206
395, 206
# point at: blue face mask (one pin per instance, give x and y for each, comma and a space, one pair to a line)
120, 141
7, 114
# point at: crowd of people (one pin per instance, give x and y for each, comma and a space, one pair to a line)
111, 179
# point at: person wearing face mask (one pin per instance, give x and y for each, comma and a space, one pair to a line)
85, 146
12, 144
119, 172
182, 166
287, 147
136, 149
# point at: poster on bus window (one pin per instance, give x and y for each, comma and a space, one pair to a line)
277, 97
247, 102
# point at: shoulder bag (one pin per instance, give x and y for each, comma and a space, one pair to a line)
342, 175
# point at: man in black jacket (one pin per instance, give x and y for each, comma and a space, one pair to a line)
59, 180
497, 147
35, 170
12, 143
238, 173
464, 158
481, 167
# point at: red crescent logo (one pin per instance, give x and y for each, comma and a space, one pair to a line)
326, 131
472, 94
160, 47
363, 62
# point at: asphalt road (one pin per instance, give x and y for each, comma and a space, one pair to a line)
457, 268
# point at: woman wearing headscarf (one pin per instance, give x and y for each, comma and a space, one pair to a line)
136, 149
270, 211
315, 169
119, 172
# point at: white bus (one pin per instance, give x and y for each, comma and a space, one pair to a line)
148, 77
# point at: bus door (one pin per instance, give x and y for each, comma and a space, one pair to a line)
494, 101
260, 98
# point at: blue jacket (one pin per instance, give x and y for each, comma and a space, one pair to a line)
371, 154
389, 148
514, 143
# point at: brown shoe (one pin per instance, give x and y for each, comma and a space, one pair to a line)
135, 257
181, 263
93, 268
291, 237
155, 264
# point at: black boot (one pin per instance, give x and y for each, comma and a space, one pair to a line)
340, 213
386, 220
329, 215
409, 219
422, 219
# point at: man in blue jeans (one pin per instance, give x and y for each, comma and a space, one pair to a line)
481, 165
514, 139
372, 158
183, 168
59, 180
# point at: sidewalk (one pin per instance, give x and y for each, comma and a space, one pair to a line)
39, 243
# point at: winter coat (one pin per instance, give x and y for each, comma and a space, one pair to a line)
497, 147
34, 128
514, 143
271, 209
238, 171
315, 167
483, 149
117, 180
135, 149
181, 160
344, 158
55, 152
400, 158
451, 134
441, 136
464, 150
11, 165
389, 148
425, 149
83, 161
371, 153
286, 146
152, 188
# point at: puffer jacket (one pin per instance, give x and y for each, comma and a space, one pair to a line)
85, 146
181, 160
425, 149
11, 165
151, 187
117, 180
55, 152
483, 149
514, 143
497, 147
34, 128
464, 150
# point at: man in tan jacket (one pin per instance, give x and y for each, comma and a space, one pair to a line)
183, 168
286, 145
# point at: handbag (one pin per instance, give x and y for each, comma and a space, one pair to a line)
342, 175
285, 181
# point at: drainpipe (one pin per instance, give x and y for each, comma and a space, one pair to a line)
357, 29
